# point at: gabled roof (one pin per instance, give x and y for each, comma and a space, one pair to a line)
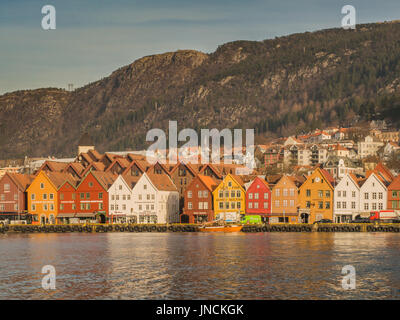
209, 182
187, 165
53, 166
395, 185
130, 180
22, 181
328, 176
59, 178
162, 182
106, 179
212, 168
163, 167
265, 183
123, 163
77, 167
384, 171
97, 166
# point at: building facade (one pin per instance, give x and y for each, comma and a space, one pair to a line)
285, 201
258, 198
346, 199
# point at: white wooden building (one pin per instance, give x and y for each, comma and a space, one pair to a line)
346, 199
120, 201
155, 199
373, 194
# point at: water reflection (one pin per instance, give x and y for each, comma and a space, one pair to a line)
200, 266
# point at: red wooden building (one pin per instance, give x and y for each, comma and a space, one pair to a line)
258, 198
13, 201
199, 200
92, 195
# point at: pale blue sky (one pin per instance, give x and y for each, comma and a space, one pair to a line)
93, 38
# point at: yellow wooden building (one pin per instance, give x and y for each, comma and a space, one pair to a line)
43, 198
316, 197
229, 198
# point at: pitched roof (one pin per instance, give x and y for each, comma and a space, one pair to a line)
395, 185
106, 179
59, 178
328, 176
131, 180
384, 171
209, 182
162, 182
21, 180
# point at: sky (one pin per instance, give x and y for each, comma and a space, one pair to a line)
95, 37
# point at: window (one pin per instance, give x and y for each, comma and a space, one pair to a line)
256, 196
88, 195
265, 205
88, 206
285, 192
232, 205
394, 194
124, 207
61, 196
205, 205
308, 204
2, 197
16, 196
200, 205
328, 193
366, 196
128, 197
229, 184
61, 206
221, 194
344, 194
2, 207
32, 196
320, 205
339, 205
45, 207
44, 196
221, 205
344, 205
353, 194
380, 195
51, 196
374, 195
140, 207
140, 197
144, 186
238, 194
112, 207
266, 195
374, 206
90, 184
339, 194
366, 206
226, 205
6, 187
291, 203
51, 207
250, 195
308, 193
327, 205
205, 194
33, 207
277, 203
256, 205
120, 187
42, 185
73, 196
320, 194
100, 195
238, 205
277, 192
233, 194
82, 206
285, 203
82, 195
380, 206
292, 192
100, 206
147, 196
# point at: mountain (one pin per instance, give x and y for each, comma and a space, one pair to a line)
281, 86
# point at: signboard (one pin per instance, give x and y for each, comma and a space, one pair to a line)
229, 216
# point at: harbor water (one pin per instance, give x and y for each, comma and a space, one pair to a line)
200, 265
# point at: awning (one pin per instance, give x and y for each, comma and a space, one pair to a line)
85, 215
65, 215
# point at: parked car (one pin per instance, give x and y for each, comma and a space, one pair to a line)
360, 220
324, 221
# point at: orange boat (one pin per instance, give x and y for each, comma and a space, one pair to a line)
226, 228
